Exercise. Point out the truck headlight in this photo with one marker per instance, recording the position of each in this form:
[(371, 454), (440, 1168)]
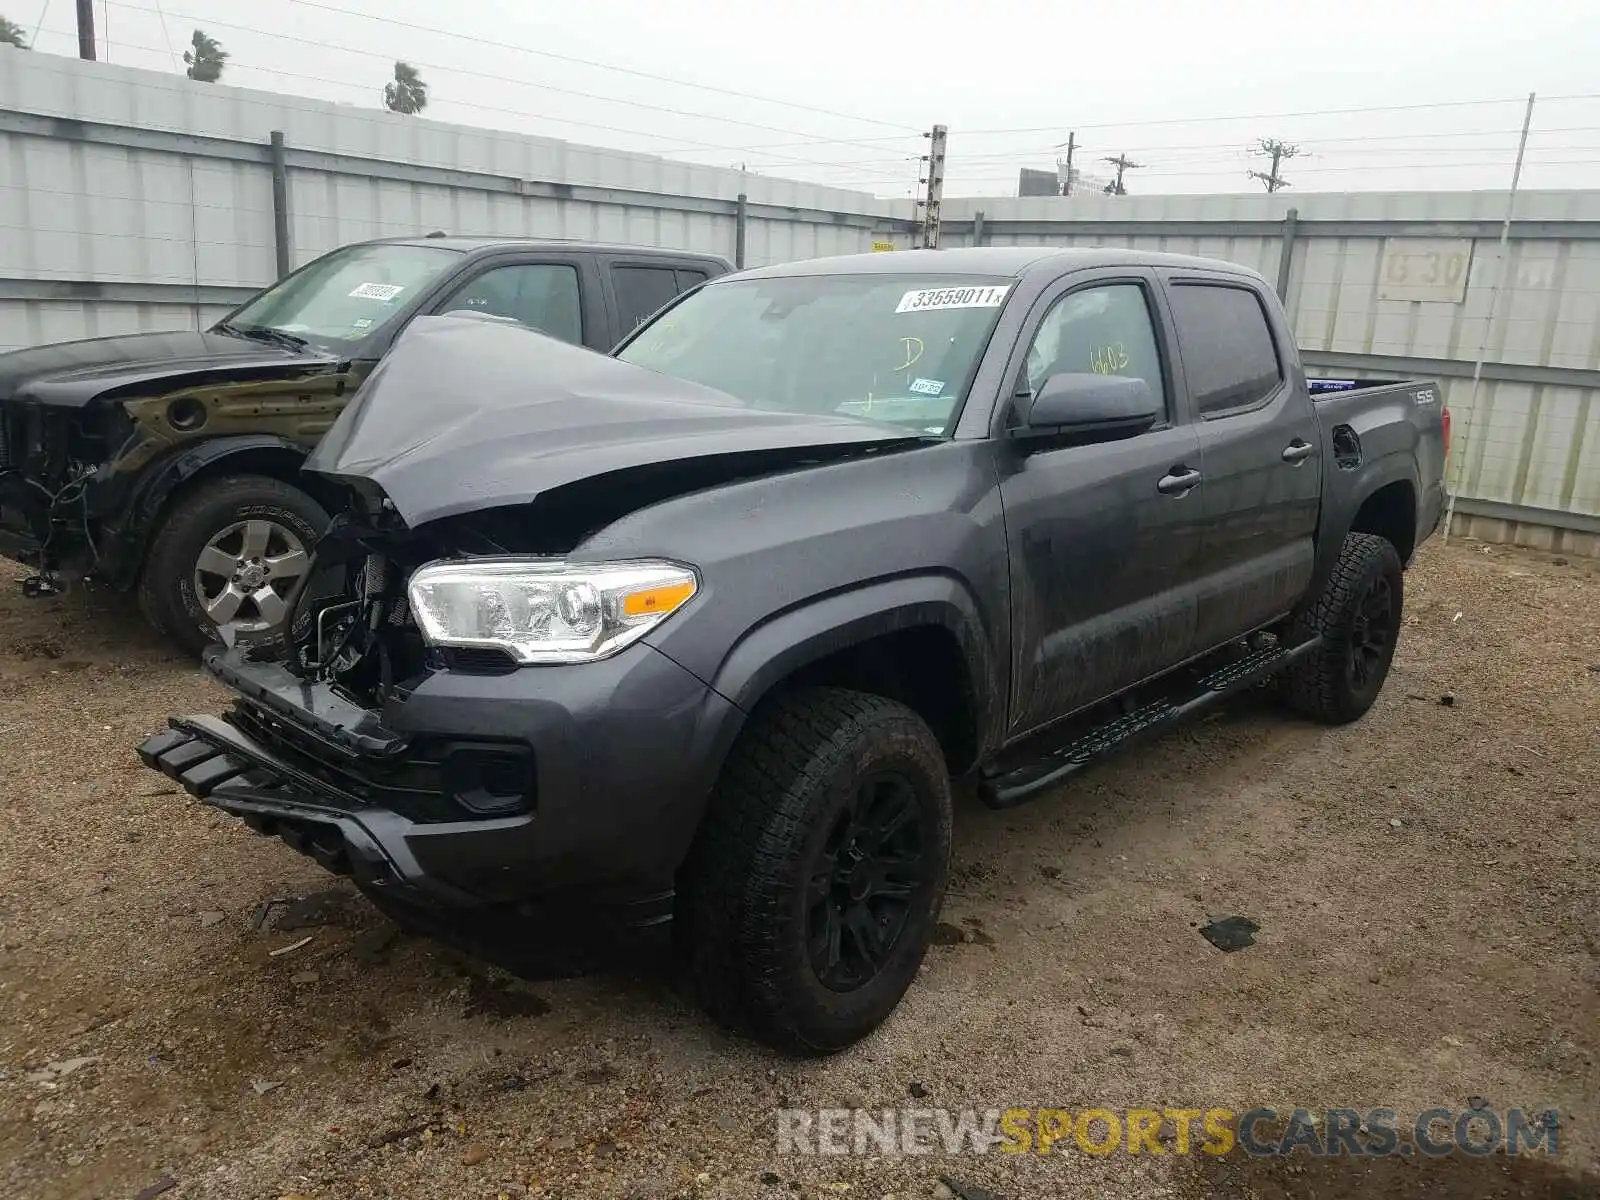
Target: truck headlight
[(545, 611)]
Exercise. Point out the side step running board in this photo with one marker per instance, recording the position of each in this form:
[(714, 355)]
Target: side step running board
[(1031, 780)]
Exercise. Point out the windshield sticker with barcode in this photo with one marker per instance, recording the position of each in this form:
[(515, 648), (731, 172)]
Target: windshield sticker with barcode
[(927, 387), (925, 299), (376, 291)]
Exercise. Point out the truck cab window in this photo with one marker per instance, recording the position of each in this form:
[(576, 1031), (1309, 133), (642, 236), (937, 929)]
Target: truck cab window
[(1228, 352), (1100, 331), (643, 290), (543, 296)]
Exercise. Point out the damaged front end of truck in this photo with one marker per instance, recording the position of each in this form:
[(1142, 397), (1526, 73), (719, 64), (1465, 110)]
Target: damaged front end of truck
[(403, 737)]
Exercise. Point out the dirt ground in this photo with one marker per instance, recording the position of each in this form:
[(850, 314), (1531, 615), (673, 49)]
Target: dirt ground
[(1426, 883)]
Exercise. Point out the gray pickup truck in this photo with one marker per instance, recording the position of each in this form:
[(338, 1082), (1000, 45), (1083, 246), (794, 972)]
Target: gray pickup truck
[(703, 632)]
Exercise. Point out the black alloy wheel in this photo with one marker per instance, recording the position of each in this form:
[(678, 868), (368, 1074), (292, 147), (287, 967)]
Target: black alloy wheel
[(1372, 634), (863, 881)]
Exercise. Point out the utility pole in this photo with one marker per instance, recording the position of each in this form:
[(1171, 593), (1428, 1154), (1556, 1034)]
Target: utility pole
[(1072, 144), (86, 30), (1122, 163), (935, 189), (1277, 151)]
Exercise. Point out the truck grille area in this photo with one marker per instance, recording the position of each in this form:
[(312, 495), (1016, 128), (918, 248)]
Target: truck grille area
[(434, 780), (267, 801), (410, 786)]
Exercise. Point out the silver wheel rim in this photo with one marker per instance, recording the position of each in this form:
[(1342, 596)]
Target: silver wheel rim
[(245, 573)]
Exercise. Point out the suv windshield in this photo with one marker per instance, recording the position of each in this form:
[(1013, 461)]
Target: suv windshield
[(344, 296), (893, 348)]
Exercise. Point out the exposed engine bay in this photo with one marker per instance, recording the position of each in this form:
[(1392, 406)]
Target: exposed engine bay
[(350, 624), (52, 470)]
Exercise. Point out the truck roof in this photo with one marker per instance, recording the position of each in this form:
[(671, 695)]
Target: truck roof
[(478, 243), (1017, 261)]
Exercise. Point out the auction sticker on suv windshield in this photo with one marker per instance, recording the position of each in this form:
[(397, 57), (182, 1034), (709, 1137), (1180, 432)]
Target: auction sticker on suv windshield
[(926, 299), (377, 291)]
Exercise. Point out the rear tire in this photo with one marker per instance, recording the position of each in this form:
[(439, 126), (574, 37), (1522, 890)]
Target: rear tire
[(1357, 614), (268, 529), (810, 895)]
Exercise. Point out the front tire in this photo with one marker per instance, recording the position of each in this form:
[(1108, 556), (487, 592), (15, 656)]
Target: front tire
[(230, 553), (1358, 616), (810, 896)]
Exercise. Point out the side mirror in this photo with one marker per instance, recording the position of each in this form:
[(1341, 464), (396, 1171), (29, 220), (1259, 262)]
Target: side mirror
[(1113, 405)]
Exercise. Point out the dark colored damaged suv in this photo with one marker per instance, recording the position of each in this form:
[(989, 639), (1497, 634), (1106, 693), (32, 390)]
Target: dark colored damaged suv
[(703, 633), (168, 464)]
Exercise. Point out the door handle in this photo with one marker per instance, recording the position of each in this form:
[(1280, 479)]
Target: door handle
[(1298, 451), (1178, 481)]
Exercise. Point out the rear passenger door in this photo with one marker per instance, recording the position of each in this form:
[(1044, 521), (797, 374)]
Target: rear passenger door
[(1259, 450), (550, 293), (639, 289)]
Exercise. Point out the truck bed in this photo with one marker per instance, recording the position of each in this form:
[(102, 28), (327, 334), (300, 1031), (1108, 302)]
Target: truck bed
[(1417, 400)]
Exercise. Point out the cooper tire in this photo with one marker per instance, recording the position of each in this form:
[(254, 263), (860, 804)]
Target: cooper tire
[(169, 594), (1357, 614), (827, 835)]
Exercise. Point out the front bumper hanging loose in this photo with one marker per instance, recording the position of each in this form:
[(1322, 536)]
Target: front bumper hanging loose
[(470, 790), (220, 766)]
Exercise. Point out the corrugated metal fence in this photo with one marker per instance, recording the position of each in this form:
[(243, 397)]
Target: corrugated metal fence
[(135, 200)]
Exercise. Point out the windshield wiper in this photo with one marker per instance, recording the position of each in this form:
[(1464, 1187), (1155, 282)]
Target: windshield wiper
[(262, 333)]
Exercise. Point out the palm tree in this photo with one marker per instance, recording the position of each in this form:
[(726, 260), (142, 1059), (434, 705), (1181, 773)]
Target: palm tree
[(206, 59), (407, 94), (11, 34)]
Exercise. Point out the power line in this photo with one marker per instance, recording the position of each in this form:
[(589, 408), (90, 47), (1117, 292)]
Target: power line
[(1122, 163), (602, 66), (475, 74), (1276, 150), (494, 109), (1317, 112), (1212, 151), (165, 37), (1054, 146), (1433, 166)]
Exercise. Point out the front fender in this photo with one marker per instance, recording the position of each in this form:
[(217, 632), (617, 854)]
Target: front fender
[(164, 477), (779, 646)]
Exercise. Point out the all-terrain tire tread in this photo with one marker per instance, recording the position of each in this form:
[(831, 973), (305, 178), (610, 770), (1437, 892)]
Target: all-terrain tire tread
[(1315, 687), (732, 897)]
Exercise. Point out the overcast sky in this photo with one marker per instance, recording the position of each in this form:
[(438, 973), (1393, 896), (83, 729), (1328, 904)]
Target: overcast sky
[(835, 91)]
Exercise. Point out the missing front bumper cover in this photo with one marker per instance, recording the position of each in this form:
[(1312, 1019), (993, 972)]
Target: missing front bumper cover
[(220, 766)]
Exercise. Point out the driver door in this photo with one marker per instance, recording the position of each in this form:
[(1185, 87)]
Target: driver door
[(1103, 546)]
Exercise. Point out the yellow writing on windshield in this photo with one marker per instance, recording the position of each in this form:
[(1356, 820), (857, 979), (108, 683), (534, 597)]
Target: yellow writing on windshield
[(914, 350)]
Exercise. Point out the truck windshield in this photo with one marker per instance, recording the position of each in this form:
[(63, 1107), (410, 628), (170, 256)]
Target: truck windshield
[(344, 296), (894, 348)]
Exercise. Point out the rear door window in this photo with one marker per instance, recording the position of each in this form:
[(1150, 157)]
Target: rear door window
[(642, 290), (1229, 356)]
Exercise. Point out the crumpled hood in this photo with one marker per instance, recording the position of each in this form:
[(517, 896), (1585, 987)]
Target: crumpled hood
[(72, 374), (466, 413)]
